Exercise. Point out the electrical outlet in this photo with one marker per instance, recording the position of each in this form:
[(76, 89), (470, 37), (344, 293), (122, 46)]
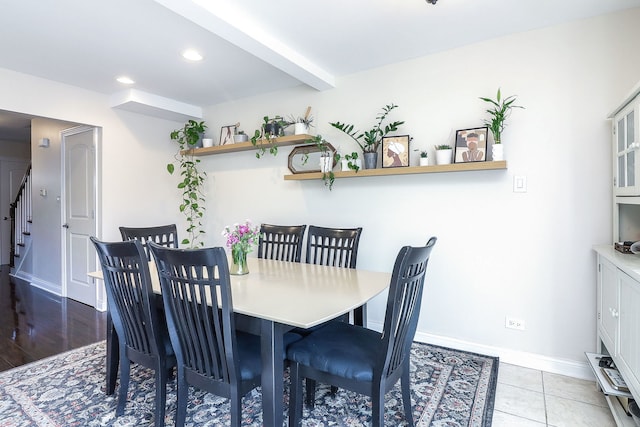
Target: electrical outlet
[(513, 323)]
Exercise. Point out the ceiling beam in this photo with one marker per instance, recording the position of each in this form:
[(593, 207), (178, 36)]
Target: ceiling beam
[(228, 23)]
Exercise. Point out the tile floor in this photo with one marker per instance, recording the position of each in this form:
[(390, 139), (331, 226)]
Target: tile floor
[(531, 398)]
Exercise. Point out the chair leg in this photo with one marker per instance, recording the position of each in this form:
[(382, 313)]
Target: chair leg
[(334, 391), (295, 395), (405, 383), (161, 394), (125, 369), (181, 403), (113, 356), (377, 407), (236, 406), (310, 399)]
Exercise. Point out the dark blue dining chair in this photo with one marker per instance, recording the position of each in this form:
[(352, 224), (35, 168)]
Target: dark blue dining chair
[(360, 359), (212, 355), (141, 331), (281, 242), (165, 235)]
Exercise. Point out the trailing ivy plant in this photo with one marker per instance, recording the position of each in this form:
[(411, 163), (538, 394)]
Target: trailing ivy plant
[(271, 128), (192, 180)]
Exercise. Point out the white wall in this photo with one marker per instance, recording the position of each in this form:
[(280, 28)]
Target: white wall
[(499, 253)]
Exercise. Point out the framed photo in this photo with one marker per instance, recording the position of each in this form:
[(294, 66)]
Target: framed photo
[(395, 151), (226, 134), (471, 145)]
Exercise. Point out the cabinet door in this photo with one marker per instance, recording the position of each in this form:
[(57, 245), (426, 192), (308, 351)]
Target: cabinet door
[(626, 154), (629, 344), (608, 304)]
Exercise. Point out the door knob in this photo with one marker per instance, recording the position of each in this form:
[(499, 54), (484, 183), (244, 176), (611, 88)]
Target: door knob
[(65, 225)]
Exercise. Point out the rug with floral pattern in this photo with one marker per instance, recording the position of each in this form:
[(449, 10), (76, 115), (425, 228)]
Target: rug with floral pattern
[(449, 388)]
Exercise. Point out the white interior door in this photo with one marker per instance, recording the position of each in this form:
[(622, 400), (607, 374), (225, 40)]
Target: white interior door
[(11, 174), (79, 147)]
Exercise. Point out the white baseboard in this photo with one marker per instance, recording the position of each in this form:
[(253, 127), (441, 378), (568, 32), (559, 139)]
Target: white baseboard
[(570, 368), (38, 283)]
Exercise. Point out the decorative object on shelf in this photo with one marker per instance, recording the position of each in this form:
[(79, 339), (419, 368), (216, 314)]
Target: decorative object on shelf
[(226, 134), (369, 141), (241, 238), (424, 157), (272, 127), (327, 161), (395, 151), (499, 111), (207, 142), (350, 162), (443, 154), (471, 145), (193, 200), (497, 152), (240, 137), (301, 125), (306, 158)]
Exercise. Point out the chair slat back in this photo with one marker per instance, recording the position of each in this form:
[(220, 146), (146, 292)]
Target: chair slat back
[(130, 294), (164, 235), (403, 303), (196, 292), (337, 247), (281, 242)]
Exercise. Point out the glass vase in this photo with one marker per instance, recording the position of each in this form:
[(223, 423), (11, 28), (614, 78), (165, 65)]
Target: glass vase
[(239, 262)]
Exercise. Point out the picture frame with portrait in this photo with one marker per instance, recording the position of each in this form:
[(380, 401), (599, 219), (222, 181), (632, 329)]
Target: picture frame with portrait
[(226, 134), (471, 145), (395, 151)]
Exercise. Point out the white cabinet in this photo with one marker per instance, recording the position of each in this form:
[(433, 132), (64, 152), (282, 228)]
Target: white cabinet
[(618, 324), (626, 145)]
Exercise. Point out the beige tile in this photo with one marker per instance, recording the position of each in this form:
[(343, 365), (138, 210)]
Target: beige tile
[(563, 412), (521, 402), (573, 388), (531, 379), (501, 419)]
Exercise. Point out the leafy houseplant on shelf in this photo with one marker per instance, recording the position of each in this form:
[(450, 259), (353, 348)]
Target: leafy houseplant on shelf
[(443, 154), (369, 141), (499, 110), (327, 160), (272, 127), (424, 157), (191, 185), (301, 125)]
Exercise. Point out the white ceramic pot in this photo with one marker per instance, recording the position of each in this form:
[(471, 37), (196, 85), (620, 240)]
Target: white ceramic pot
[(300, 129), (497, 152), (345, 164), (326, 164), (424, 161), (443, 157), (207, 142)]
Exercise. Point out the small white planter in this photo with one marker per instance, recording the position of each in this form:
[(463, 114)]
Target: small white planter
[(424, 161), (300, 129), (497, 152), (326, 164), (345, 164), (207, 142), (443, 157)]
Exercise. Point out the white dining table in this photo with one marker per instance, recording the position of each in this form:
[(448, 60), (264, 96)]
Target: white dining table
[(277, 296)]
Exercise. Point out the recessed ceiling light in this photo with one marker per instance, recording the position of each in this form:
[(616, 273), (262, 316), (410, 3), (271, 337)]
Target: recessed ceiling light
[(192, 55), (125, 80)]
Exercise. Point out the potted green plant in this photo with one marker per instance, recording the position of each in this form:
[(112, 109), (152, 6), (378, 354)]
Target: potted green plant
[(499, 110), (369, 141), (301, 125), (327, 160), (350, 162), (272, 127), (443, 154), (192, 183), (424, 157)]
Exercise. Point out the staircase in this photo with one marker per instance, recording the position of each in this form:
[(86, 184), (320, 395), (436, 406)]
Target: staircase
[(21, 213)]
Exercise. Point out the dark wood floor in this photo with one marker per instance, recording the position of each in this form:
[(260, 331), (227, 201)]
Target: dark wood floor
[(35, 324)]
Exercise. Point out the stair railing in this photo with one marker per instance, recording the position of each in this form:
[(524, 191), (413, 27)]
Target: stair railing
[(20, 211)]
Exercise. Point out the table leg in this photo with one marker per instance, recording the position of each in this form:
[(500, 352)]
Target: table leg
[(113, 356), (360, 316), (272, 346)]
